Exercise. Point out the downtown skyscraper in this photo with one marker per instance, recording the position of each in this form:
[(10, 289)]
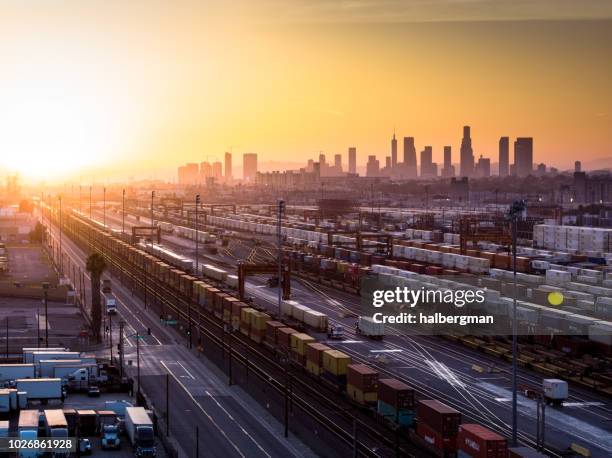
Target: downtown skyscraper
[(504, 156), (466, 154)]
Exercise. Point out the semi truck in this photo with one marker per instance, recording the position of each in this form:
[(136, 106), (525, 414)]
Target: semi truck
[(555, 391), (14, 371), (368, 327), (27, 429), (41, 388), (38, 356), (139, 429), (56, 427), (46, 367), (28, 352)]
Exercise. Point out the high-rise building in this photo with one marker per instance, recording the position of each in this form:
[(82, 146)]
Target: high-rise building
[(541, 169), (249, 167), (523, 156), (428, 167), (448, 170), (372, 167), (338, 162), (466, 154), (352, 161), (388, 163), (577, 166), (322, 160), (410, 158), (504, 156), (483, 167), (205, 171), (228, 167), (393, 151), (188, 174), (217, 171)]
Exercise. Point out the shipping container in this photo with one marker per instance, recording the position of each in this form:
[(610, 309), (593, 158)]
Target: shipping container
[(480, 442), (440, 417)]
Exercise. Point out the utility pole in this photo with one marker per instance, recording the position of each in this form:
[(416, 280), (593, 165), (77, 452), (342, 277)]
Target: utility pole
[(138, 362), (7, 337), (167, 404), (45, 288), (144, 273), (60, 236), (197, 204), (281, 207), (515, 212), (110, 327), (121, 324), (123, 212), (104, 207), (152, 222)]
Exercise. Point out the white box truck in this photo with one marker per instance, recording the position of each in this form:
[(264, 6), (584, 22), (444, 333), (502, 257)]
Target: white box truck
[(57, 428), (139, 428), (15, 371), (368, 327), (38, 356), (46, 366), (555, 391), (41, 388), (28, 352), (28, 430)]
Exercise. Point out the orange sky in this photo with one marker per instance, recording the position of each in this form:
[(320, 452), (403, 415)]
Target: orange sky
[(134, 88)]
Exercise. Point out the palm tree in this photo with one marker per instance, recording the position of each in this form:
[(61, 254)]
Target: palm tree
[(96, 266)]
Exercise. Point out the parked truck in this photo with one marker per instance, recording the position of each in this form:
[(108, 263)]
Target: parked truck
[(38, 356), (29, 351), (41, 388), (27, 429), (368, 327), (555, 391), (14, 371), (56, 427), (46, 367), (139, 429)]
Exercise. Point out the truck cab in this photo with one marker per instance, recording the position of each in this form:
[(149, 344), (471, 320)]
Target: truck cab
[(110, 303), (110, 437)]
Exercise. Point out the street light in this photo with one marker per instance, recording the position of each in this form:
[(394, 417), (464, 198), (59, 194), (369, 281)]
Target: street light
[(281, 208), (516, 211), (45, 286), (197, 204)]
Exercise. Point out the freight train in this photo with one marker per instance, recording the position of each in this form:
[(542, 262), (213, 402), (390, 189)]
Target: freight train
[(438, 427)]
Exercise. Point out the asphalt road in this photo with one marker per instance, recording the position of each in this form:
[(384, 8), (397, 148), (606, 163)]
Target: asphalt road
[(228, 425)]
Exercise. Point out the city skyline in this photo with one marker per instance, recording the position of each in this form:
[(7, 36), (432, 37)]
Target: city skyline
[(108, 100)]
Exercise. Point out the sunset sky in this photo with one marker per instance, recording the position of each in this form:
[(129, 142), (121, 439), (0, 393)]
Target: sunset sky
[(135, 88)]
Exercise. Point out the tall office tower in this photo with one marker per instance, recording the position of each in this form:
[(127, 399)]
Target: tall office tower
[(228, 167), (217, 170), (523, 156), (372, 167), (504, 156), (338, 162), (483, 167), (448, 170), (388, 163), (467, 154), (205, 171), (428, 168), (393, 151), (310, 165), (410, 159), (322, 160), (352, 152), (577, 166), (249, 167)]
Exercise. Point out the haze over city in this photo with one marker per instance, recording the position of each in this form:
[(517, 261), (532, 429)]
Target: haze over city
[(112, 90)]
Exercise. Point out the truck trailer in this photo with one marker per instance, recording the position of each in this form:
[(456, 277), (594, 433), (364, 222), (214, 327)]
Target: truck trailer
[(139, 429), (41, 388), (15, 371)]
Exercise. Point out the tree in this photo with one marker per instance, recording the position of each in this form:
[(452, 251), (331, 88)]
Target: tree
[(36, 234), (96, 266)]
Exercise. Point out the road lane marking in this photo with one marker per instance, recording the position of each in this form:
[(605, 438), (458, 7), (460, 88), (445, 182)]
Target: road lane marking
[(185, 369), (210, 418)]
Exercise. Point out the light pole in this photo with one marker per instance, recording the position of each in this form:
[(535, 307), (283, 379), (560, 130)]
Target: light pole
[(515, 212), (281, 207), (197, 204), (123, 212), (60, 237), (104, 207), (45, 286), (152, 222)]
